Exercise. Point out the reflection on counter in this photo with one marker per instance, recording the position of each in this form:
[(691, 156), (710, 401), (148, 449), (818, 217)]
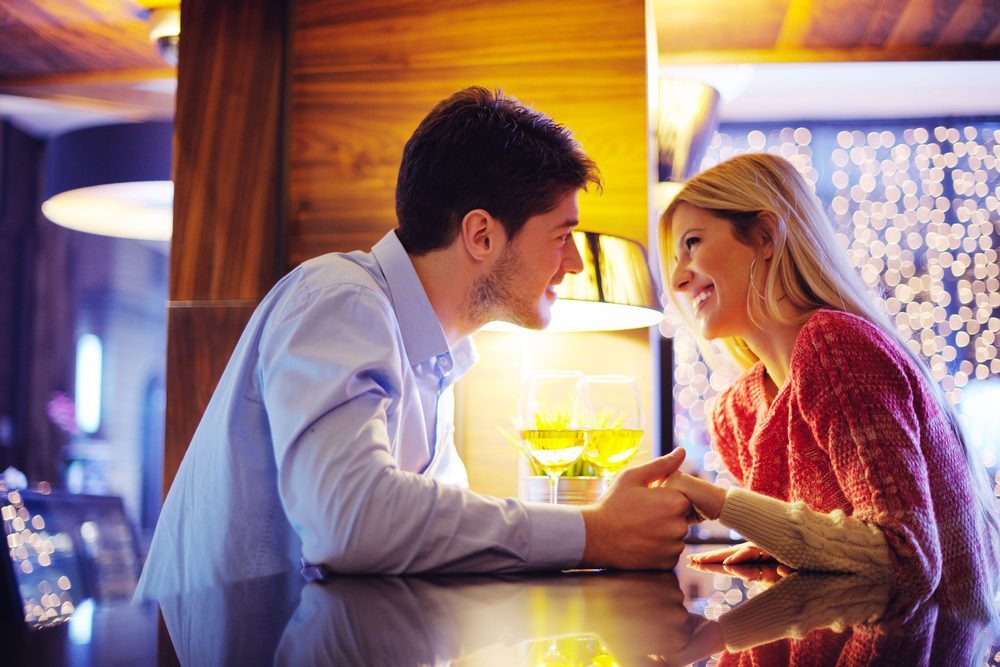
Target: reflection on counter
[(572, 618)]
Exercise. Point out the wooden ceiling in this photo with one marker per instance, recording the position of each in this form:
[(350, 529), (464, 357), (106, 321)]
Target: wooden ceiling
[(744, 31), (92, 55)]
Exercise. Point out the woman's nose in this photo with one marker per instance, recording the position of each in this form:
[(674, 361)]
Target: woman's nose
[(681, 278)]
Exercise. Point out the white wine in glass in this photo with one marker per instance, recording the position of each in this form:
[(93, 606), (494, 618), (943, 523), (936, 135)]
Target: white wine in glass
[(547, 423), (611, 414)]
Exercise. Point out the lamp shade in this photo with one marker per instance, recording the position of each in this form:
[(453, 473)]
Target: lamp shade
[(614, 290), (686, 120), (112, 180)]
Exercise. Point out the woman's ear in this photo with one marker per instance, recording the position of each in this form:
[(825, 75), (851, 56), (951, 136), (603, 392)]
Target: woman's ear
[(768, 231)]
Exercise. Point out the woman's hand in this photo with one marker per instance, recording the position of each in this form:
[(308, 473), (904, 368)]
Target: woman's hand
[(746, 561), (748, 552), (705, 497), (767, 572)]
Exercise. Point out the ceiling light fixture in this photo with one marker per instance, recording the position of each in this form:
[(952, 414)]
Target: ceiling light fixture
[(112, 180), (164, 22)]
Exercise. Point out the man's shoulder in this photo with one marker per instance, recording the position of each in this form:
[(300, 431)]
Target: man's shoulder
[(336, 289), (341, 270), (334, 277)]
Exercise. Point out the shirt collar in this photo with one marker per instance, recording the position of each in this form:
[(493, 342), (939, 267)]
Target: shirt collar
[(423, 336)]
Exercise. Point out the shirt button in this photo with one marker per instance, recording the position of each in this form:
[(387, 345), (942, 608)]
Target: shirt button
[(444, 363)]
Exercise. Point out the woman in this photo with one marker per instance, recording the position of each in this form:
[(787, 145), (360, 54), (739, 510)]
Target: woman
[(849, 456)]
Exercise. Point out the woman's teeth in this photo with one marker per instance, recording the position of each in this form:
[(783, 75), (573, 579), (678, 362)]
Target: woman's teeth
[(702, 296)]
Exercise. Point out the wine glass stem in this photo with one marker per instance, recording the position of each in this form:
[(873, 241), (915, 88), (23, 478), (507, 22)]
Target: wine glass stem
[(608, 478), (553, 489)]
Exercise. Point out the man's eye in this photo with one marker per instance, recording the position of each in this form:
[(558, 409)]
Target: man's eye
[(565, 237)]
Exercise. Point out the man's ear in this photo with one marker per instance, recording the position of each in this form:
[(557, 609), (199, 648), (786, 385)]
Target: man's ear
[(768, 231), (481, 234)]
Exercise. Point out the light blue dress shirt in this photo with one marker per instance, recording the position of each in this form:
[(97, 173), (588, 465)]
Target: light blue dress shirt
[(330, 437)]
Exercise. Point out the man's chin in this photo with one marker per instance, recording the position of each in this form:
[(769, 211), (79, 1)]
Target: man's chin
[(535, 321)]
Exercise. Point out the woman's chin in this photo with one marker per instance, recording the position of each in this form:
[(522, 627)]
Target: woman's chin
[(708, 331)]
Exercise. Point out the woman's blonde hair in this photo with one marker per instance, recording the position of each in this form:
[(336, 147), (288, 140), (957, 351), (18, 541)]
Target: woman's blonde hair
[(807, 268)]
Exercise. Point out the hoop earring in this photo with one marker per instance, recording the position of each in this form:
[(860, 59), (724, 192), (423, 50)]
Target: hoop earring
[(753, 283)]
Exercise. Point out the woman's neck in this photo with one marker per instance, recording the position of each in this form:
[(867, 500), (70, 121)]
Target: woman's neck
[(773, 344)]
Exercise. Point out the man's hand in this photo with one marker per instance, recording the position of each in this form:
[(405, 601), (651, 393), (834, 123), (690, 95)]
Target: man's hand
[(705, 497), (638, 524)]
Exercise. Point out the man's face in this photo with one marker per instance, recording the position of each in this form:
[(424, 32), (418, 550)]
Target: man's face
[(521, 286)]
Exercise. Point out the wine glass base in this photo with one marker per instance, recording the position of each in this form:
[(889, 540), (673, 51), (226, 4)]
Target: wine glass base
[(570, 490)]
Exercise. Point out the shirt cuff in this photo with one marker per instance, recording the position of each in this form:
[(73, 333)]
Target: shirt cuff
[(557, 536)]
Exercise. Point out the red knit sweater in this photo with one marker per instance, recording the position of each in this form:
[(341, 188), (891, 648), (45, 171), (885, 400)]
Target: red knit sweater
[(856, 428)]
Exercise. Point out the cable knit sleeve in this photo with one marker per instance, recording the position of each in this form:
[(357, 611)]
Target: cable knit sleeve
[(806, 539), (857, 393)]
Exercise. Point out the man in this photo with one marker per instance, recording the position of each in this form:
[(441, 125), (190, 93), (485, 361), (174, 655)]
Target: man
[(330, 433)]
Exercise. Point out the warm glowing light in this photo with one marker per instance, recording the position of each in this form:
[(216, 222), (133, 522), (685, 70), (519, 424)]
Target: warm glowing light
[(142, 210), (571, 316)]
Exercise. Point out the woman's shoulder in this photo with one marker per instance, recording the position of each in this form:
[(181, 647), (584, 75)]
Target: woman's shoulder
[(840, 334), (835, 348)]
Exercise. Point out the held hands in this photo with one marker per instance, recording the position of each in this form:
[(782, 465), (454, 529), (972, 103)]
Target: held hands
[(706, 498), (638, 524)]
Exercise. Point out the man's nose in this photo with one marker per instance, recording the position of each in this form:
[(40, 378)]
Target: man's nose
[(573, 262)]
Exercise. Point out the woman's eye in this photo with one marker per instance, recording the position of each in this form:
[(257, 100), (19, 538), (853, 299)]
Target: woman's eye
[(691, 241)]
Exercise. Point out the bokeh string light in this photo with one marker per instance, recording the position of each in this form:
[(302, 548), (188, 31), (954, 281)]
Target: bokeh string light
[(40, 558), (915, 207)]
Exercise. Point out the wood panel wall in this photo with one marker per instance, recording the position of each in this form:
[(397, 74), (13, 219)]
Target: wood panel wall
[(364, 72), (360, 75), (228, 175)]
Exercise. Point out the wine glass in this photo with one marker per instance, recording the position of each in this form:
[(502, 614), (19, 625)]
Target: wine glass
[(547, 422), (611, 413)]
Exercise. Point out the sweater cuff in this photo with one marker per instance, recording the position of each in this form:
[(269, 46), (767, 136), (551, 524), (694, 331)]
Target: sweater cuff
[(806, 539), (759, 518), (557, 536)]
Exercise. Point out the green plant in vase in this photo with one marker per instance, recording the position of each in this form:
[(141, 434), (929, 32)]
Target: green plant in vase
[(554, 422)]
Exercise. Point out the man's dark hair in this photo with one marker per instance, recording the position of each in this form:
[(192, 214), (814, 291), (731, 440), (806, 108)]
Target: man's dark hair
[(480, 149)]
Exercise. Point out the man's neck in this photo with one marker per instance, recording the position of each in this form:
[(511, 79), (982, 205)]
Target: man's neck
[(446, 280)]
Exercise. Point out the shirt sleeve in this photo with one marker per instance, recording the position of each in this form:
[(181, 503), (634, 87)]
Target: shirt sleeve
[(330, 369), (857, 396)]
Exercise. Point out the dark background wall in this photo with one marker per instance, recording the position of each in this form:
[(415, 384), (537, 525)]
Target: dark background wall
[(56, 284), (36, 312)]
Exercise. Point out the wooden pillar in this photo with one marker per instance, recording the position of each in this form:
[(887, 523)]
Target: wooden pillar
[(228, 165)]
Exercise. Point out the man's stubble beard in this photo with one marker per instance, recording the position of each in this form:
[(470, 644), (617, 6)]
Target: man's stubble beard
[(493, 297)]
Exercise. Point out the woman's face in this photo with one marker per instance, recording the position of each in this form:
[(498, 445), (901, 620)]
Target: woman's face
[(711, 272)]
